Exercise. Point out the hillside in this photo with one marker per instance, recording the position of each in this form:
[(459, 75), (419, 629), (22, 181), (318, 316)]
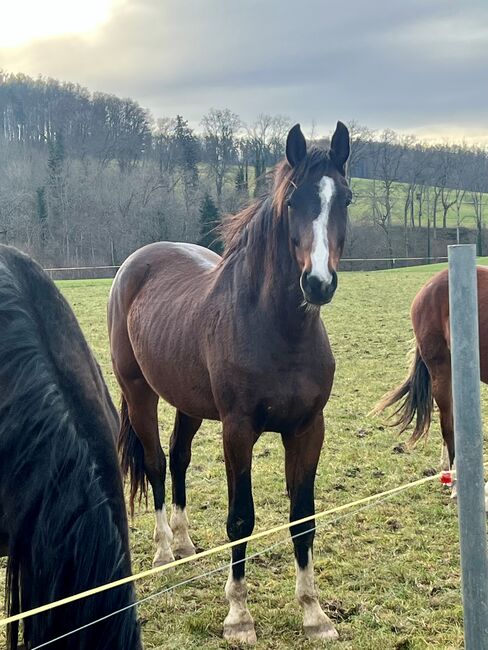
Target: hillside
[(363, 190)]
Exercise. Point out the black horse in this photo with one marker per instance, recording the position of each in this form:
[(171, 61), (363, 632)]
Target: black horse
[(63, 520)]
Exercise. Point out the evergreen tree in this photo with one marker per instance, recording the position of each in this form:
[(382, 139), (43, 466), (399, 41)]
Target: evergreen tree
[(240, 182), (55, 165), (187, 150), (209, 220), (42, 214)]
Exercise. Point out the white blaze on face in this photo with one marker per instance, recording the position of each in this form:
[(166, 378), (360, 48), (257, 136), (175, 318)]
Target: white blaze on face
[(320, 244)]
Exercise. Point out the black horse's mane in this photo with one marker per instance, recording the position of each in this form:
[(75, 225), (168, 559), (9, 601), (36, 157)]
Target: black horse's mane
[(55, 417)]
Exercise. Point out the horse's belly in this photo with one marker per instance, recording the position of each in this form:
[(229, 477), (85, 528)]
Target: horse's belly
[(193, 400)]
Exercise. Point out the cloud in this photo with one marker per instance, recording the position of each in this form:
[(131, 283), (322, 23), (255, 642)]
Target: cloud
[(411, 66)]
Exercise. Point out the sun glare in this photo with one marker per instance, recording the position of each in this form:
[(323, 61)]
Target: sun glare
[(30, 20)]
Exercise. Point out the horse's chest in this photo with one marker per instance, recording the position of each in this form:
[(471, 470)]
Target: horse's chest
[(279, 400), (291, 402)]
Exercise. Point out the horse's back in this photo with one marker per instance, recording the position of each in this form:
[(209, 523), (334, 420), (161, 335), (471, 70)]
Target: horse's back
[(164, 263), (157, 316)]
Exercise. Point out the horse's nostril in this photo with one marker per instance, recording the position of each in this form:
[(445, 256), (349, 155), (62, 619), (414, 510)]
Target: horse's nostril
[(334, 280), (314, 283)]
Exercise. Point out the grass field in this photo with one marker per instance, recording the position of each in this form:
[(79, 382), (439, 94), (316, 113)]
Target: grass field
[(388, 575), (361, 205)]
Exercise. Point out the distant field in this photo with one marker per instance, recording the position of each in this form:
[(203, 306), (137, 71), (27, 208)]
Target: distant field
[(432, 268), (361, 205), (388, 575)]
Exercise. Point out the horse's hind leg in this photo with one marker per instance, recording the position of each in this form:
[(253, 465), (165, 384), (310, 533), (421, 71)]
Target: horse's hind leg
[(440, 372), (179, 458), (142, 402)]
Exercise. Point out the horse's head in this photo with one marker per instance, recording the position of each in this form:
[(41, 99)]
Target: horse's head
[(317, 211)]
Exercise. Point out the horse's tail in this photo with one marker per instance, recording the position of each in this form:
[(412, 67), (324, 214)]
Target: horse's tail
[(131, 454), (415, 397)]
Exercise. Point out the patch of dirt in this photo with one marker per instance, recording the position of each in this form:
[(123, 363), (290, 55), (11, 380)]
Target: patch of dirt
[(338, 613), (399, 449)]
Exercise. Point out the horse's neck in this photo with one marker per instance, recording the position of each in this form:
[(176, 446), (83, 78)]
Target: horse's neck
[(270, 280)]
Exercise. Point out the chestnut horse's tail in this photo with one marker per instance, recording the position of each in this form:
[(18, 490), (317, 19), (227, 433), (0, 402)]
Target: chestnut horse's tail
[(131, 454), (415, 397)]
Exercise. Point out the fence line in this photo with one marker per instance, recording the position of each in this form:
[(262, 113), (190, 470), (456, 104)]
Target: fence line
[(107, 271), (83, 268), (215, 549), (344, 259), (218, 569)]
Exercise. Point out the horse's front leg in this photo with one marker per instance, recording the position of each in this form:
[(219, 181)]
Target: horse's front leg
[(302, 451), (238, 443)]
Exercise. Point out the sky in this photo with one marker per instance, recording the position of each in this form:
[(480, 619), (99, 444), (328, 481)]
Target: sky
[(416, 66)]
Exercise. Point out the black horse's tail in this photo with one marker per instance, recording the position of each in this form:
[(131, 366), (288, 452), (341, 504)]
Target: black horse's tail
[(131, 454), (415, 397)]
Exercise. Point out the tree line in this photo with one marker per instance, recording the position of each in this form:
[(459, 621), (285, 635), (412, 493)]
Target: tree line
[(87, 178)]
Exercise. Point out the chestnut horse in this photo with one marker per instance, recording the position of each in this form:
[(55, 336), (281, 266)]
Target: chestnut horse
[(430, 375), (63, 521), (237, 339)]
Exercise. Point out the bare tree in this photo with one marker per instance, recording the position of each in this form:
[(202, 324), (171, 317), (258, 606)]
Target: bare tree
[(266, 138), (360, 137), (478, 175), (221, 128), (388, 156)]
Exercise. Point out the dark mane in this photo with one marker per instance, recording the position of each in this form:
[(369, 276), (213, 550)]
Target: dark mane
[(280, 180), (65, 520)]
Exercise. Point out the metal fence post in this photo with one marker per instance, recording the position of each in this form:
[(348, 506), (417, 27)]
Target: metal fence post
[(463, 309)]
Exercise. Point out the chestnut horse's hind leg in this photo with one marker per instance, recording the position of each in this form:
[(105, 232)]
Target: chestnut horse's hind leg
[(442, 393), (142, 402), (239, 440), (302, 451), (179, 458), (440, 372)]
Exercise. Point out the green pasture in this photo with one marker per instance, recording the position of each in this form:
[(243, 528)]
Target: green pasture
[(360, 209), (361, 205), (388, 575)]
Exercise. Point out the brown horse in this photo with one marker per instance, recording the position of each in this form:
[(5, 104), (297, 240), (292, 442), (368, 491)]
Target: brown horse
[(430, 375), (237, 339)]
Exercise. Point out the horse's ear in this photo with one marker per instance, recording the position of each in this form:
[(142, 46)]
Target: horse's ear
[(296, 146), (339, 147)]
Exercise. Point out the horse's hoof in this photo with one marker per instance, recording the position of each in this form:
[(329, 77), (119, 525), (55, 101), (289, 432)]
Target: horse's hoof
[(183, 551), (322, 631), (240, 633), (162, 557)]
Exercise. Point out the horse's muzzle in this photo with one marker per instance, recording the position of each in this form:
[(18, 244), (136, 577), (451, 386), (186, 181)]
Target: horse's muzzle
[(317, 291)]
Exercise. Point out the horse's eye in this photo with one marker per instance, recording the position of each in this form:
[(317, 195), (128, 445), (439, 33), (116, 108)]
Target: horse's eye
[(295, 242), (349, 197)]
